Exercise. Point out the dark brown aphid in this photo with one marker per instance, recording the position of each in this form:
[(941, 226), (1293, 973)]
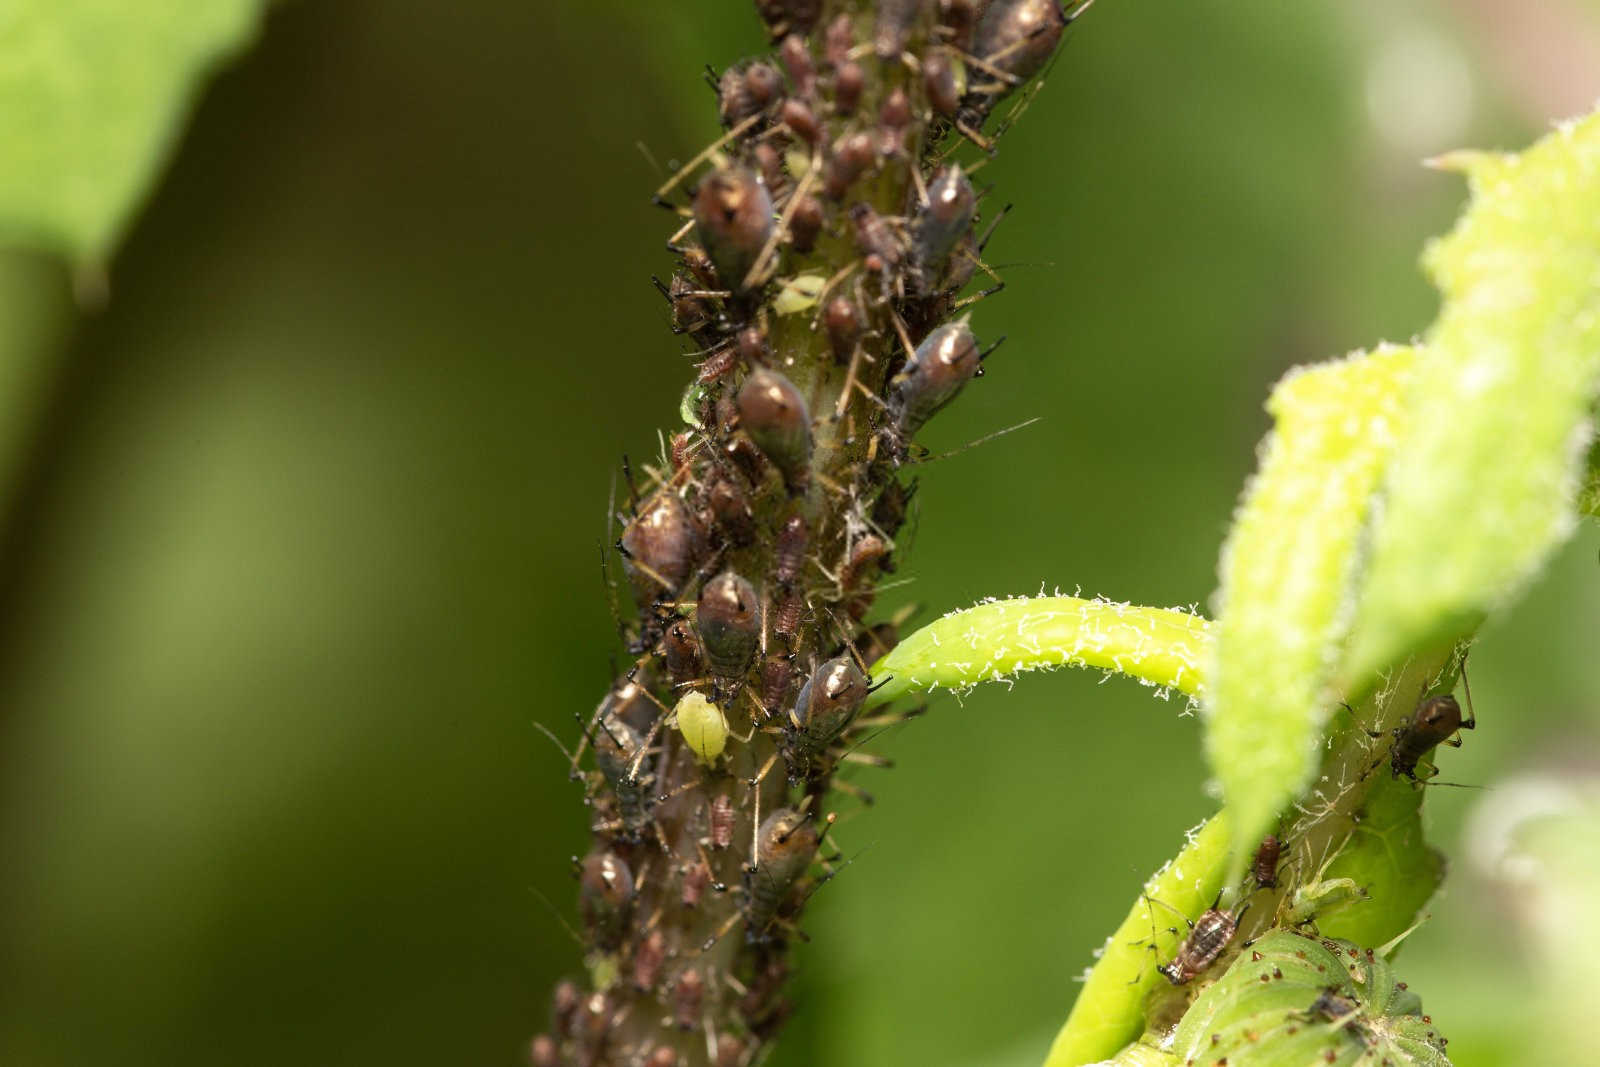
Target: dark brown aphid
[(838, 39), (945, 361), (662, 1057), (866, 552), (943, 221), (842, 321), (1265, 865), (774, 415), (849, 159), (690, 311), (605, 893), (806, 223), (789, 556), (730, 1051), (730, 506), (826, 704), (960, 18), (687, 995), (894, 116), (784, 847), (1436, 719), (939, 83), (802, 120), (723, 821), (543, 1052), (796, 59), (717, 365), (789, 16), (647, 961), (659, 547), (728, 620), (1208, 936), (847, 86), (1019, 36), (733, 216), (681, 652)]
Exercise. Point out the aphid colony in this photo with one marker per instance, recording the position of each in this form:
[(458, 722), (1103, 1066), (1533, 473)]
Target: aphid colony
[(824, 243)]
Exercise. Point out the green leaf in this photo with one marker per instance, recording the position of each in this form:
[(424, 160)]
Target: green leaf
[(1484, 485), (1000, 639), (1109, 1011), (93, 93), (1286, 570)]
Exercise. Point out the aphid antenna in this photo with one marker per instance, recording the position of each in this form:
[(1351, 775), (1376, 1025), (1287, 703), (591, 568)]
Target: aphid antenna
[(627, 475), (680, 790), (850, 789), (994, 224), (555, 913), (867, 759), (987, 352), (985, 439), (681, 232), (982, 294), (556, 741), (700, 157), (661, 287)]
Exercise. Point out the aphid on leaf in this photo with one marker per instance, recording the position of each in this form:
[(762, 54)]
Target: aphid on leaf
[(773, 414), (1264, 867), (728, 618), (733, 216), (1436, 721), (1208, 936), (826, 704), (945, 361)]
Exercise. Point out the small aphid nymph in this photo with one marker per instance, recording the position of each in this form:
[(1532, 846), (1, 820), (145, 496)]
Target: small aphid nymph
[(1264, 867)]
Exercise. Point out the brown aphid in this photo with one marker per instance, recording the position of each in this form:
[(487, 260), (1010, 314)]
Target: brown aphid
[(785, 845), (939, 224), (1208, 936), (728, 619), (733, 216), (960, 18), (805, 224), (1434, 722), (689, 311), (717, 365), (894, 116), (564, 1004), (1019, 36), (773, 414), (543, 1052), (802, 120), (789, 16), (841, 319), (787, 617), (770, 164), (895, 19), (789, 555), (945, 361), (796, 60), (681, 652), (618, 754), (876, 239), (939, 83), (662, 1057), (648, 957), (866, 552), (847, 87), (688, 993), (730, 507), (838, 39), (696, 877), (851, 156), (730, 1051), (659, 547), (723, 821), (1265, 865), (827, 703), (605, 894)]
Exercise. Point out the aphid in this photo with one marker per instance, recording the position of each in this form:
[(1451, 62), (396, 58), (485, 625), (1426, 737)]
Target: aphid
[(659, 547), (605, 893), (628, 703), (1332, 1006), (733, 216), (647, 961), (730, 1051), (838, 39), (774, 415), (543, 1052), (1265, 865), (727, 617), (796, 59), (960, 17), (1017, 37), (826, 704), (716, 365), (723, 820), (784, 847), (842, 321), (805, 223), (789, 556), (687, 995), (681, 652), (943, 221), (703, 727), (619, 752), (1435, 721), (802, 120), (944, 362), (867, 551), (662, 1057), (893, 117), (847, 86), (1208, 936), (787, 616), (696, 877), (564, 1004), (939, 83), (789, 16), (850, 157), (876, 239), (690, 312), (777, 675), (895, 19)]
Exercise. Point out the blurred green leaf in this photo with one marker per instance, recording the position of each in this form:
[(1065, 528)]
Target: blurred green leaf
[(1286, 569), (1000, 639), (94, 92), (1484, 484)]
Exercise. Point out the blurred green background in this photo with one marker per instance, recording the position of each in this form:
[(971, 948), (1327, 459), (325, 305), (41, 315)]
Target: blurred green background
[(299, 529)]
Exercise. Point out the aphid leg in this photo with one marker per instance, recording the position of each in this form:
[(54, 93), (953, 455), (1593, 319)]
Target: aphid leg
[(853, 790), (1471, 722)]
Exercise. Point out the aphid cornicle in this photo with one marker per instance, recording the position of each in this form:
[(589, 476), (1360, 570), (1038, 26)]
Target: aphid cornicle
[(733, 216), (943, 221), (827, 702), (1208, 936), (1435, 721), (773, 414), (784, 846), (605, 887), (1264, 867), (728, 618), (789, 555), (945, 361), (659, 547)]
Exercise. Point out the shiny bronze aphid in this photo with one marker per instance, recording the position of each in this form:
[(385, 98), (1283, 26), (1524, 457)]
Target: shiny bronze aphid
[(733, 216), (688, 993), (939, 224), (729, 621), (945, 361), (680, 651), (647, 961), (1264, 867), (806, 223), (543, 1052), (605, 893), (847, 87), (722, 821), (841, 319), (659, 547), (827, 703), (1435, 721), (785, 845), (1019, 36), (939, 83), (789, 555), (1208, 936), (849, 159), (773, 414)]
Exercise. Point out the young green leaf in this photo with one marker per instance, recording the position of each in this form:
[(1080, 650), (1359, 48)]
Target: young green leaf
[(1002, 638), (1109, 1010), (93, 92), (1286, 570), (1483, 486)]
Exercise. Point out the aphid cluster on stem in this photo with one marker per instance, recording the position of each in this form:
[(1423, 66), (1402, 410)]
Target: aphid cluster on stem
[(823, 242)]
